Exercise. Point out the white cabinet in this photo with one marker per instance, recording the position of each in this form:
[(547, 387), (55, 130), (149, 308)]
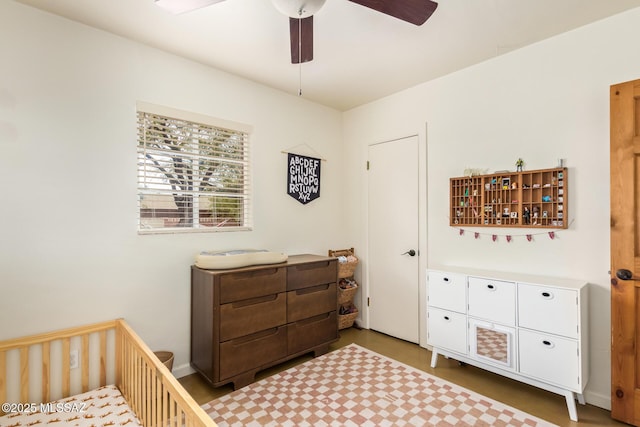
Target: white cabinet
[(529, 328)]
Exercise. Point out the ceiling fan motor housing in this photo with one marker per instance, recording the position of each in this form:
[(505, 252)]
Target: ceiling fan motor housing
[(298, 8)]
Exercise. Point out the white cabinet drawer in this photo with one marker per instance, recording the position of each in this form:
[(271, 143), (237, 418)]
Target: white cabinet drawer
[(447, 290), (448, 330), (550, 358), (492, 300), (548, 309)]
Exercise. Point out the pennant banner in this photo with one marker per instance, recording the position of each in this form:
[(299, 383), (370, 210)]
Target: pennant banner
[(509, 237)]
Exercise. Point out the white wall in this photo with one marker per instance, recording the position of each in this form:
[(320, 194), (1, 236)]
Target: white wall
[(69, 250), (540, 103)]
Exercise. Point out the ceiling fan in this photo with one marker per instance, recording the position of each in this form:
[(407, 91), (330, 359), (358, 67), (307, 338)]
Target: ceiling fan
[(301, 13)]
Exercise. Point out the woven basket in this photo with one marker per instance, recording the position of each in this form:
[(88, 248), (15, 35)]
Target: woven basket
[(345, 269), (346, 295), (346, 320), (166, 357)]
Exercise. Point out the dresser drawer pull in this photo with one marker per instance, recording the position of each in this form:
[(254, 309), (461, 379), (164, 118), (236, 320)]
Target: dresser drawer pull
[(491, 287), (547, 295), (446, 279), (255, 337), (312, 266), (447, 318), (254, 301), (548, 344), (314, 289)]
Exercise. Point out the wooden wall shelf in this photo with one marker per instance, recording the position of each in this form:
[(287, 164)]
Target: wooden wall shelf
[(533, 199)]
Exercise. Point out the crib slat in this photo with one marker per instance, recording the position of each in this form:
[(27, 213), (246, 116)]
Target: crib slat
[(158, 393), (118, 351), (46, 370), (147, 392), (66, 373), (85, 363), (3, 375), (24, 374), (172, 411), (103, 357), (165, 405)]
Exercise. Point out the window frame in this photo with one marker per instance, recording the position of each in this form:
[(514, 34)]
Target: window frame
[(200, 119)]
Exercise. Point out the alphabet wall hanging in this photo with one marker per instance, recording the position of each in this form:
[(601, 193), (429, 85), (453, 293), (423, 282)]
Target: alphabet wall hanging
[(303, 178)]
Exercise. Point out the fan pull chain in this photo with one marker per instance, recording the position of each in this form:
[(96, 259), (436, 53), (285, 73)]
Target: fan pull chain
[(300, 53)]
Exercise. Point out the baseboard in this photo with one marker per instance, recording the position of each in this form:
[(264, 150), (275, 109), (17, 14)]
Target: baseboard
[(597, 399), (183, 370)]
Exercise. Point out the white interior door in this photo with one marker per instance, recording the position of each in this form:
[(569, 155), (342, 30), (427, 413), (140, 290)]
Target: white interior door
[(393, 233)]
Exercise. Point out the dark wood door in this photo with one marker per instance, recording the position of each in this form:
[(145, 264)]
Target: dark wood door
[(625, 251)]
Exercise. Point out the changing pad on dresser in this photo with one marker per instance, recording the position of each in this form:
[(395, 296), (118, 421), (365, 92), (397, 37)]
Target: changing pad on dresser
[(237, 258)]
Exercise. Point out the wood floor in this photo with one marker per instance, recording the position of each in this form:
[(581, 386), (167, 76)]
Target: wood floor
[(545, 405)]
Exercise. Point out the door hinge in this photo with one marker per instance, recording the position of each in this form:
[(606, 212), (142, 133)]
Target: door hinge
[(368, 302), (367, 164)]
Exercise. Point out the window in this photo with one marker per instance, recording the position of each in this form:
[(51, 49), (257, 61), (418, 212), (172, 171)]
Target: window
[(193, 172)]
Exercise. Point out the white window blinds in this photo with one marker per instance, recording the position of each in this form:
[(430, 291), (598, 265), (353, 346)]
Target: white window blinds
[(193, 172)]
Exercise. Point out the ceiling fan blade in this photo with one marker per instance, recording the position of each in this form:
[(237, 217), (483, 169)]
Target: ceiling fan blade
[(414, 11), (301, 34)]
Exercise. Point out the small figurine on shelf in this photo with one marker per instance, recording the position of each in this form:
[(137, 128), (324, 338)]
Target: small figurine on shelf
[(536, 212), (526, 215), (519, 164)]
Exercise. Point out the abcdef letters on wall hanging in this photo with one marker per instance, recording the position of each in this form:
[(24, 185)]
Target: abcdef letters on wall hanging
[(303, 178)]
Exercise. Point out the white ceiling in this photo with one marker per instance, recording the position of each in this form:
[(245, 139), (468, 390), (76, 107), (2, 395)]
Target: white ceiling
[(359, 55)]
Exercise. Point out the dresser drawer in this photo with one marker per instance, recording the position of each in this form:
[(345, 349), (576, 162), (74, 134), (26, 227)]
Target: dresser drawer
[(492, 300), (548, 309), (447, 329), (250, 352), (253, 315), (550, 358), (312, 274), (309, 302), (447, 290), (308, 333), (251, 284)]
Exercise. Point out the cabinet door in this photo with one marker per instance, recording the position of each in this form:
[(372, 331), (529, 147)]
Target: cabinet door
[(492, 300), (548, 309), (551, 359), (492, 343), (447, 291), (448, 330)]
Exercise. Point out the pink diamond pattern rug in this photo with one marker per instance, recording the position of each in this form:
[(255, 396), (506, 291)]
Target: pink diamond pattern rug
[(354, 386)]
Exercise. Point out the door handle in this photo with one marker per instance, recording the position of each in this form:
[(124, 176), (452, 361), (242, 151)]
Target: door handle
[(410, 252), (624, 274)]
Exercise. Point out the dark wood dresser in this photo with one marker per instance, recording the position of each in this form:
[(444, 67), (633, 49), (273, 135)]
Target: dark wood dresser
[(247, 319)]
